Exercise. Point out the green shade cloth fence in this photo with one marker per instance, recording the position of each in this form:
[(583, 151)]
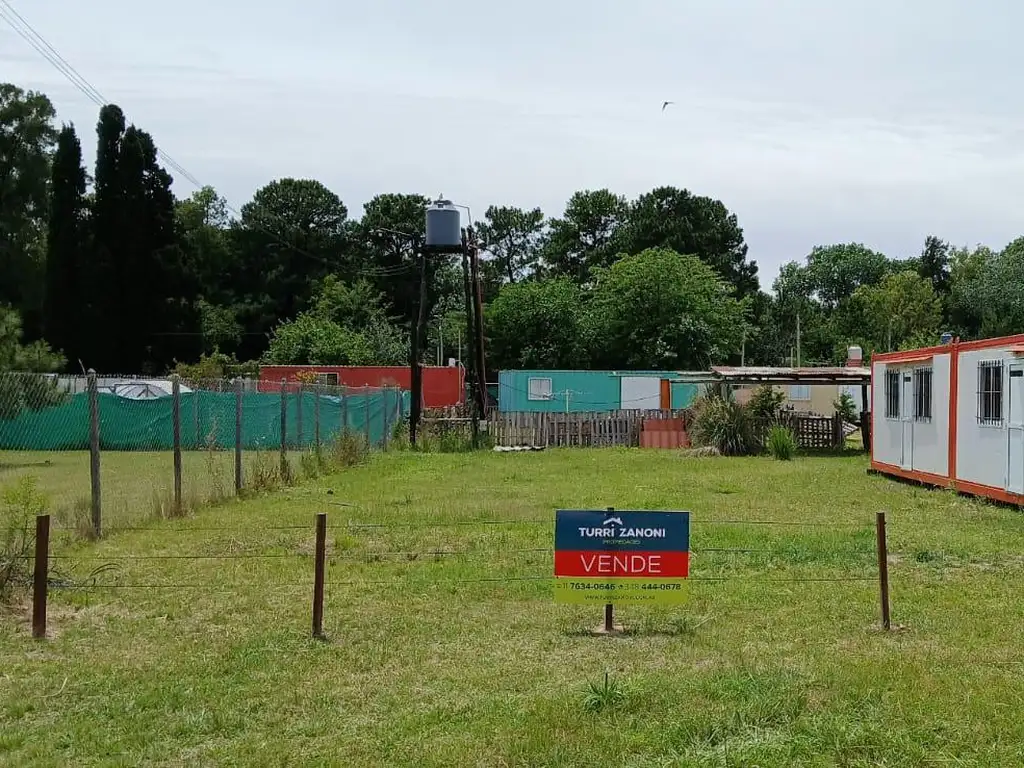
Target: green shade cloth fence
[(207, 421)]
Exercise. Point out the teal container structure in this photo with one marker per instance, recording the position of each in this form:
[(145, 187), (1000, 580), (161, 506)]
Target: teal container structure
[(590, 391)]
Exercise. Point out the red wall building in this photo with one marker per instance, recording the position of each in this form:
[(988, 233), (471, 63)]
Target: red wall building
[(442, 386)]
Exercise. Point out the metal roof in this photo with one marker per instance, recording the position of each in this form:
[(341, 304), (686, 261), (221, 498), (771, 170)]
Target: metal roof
[(836, 375)]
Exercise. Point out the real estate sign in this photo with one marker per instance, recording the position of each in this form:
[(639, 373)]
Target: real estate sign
[(621, 556)]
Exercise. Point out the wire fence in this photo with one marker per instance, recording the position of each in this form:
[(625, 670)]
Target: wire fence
[(285, 562), (118, 450)]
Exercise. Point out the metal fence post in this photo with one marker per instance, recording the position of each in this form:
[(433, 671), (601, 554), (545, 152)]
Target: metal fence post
[(40, 576), (284, 430), (299, 402), (316, 418), (387, 396), (176, 419), (366, 414), (94, 454), (238, 435)]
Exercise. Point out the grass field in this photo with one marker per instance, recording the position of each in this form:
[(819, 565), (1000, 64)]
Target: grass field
[(464, 659), (136, 485)]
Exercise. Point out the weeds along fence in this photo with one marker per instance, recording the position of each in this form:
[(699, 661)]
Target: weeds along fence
[(336, 565), (126, 451)]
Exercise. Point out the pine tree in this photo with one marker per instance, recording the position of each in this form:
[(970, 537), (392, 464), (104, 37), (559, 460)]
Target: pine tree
[(67, 244)]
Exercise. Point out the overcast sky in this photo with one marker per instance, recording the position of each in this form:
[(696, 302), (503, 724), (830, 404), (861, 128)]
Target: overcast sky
[(879, 121)]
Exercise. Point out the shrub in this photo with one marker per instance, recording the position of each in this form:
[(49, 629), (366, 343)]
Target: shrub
[(348, 449), (726, 426), (766, 402), (781, 442), (21, 503), (846, 408)]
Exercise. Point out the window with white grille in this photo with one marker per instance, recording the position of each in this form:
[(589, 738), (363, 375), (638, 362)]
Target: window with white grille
[(990, 392), (329, 379), (539, 389), (923, 394), (799, 392), (892, 394)]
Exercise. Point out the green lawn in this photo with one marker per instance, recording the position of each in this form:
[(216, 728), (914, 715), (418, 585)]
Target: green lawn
[(136, 485), (449, 660)]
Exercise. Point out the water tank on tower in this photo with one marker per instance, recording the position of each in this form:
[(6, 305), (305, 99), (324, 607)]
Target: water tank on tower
[(444, 230)]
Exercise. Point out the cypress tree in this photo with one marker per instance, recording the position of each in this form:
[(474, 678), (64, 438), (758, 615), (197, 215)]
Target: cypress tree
[(64, 305)]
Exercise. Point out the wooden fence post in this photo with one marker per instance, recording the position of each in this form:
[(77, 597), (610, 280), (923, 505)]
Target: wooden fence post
[(284, 431), (344, 411), (883, 569), (238, 435), (94, 455), (319, 568), (40, 576), (176, 427)]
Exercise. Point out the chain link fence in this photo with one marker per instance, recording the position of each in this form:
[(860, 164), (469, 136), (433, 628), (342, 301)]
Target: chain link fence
[(111, 451)]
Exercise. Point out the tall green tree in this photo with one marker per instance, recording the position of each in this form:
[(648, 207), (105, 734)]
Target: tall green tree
[(900, 312), (836, 271), (537, 324), (514, 238), (660, 310), (585, 235), (988, 290), (933, 264), (677, 219), (67, 258), (27, 138)]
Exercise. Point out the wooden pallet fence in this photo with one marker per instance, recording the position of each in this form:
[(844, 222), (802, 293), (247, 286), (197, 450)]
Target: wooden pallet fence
[(604, 429)]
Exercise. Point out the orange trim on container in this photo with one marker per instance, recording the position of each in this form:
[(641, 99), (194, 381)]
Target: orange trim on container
[(954, 400), (928, 478), (666, 395)]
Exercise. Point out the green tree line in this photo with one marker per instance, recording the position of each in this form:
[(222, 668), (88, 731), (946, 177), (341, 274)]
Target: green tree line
[(105, 268)]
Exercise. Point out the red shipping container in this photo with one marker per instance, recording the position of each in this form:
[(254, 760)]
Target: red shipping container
[(442, 386)]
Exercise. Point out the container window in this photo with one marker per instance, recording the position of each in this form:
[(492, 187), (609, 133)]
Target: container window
[(892, 394), (923, 394), (539, 389), (799, 392), (990, 392), (330, 379)]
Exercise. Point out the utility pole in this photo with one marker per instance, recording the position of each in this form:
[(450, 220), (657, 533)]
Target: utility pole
[(470, 335), (478, 311), (415, 407)]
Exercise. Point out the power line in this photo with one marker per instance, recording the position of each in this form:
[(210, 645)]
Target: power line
[(41, 45)]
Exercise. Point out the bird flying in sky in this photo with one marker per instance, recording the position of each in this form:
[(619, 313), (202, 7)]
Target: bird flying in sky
[(665, 104)]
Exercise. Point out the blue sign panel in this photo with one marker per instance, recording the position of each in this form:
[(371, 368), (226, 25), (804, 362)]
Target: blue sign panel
[(622, 530)]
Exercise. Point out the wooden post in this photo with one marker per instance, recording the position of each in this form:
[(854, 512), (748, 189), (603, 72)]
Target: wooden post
[(40, 576), (344, 412), (319, 568), (284, 431), (298, 417), (176, 426), (238, 435), (316, 419), (883, 569), (94, 455)]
